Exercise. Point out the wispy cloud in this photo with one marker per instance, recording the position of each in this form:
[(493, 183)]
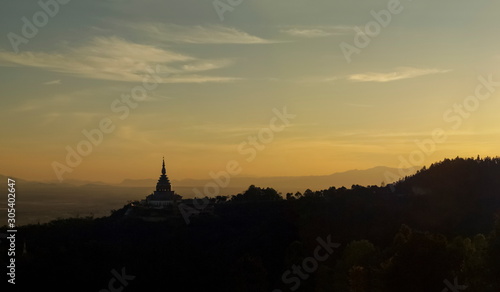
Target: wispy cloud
[(210, 34), (199, 79), (53, 82), (116, 59), (397, 74), (205, 65), (316, 32)]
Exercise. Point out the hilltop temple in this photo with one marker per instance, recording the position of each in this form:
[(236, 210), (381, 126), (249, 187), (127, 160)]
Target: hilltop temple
[(163, 196)]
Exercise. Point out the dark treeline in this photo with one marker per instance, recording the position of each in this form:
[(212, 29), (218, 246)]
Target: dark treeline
[(437, 228)]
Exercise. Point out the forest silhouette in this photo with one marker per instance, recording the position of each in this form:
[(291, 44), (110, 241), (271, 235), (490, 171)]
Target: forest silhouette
[(436, 228)]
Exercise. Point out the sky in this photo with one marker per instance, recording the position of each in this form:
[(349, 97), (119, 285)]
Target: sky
[(262, 88)]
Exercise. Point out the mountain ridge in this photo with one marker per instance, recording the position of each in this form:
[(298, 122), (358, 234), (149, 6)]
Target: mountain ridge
[(370, 176)]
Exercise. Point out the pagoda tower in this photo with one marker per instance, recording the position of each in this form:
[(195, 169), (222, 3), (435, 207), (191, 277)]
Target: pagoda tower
[(163, 185), (163, 195)]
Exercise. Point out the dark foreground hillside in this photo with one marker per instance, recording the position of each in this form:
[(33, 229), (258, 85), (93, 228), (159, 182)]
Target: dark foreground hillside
[(434, 231)]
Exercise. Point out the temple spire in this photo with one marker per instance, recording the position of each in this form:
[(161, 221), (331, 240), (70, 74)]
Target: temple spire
[(163, 170)]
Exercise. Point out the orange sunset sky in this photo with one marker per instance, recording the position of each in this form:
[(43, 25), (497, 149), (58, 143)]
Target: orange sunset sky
[(187, 81)]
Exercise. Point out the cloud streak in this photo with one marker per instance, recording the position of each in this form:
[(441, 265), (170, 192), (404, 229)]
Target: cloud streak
[(398, 74), (53, 82), (317, 32), (112, 58), (210, 34)]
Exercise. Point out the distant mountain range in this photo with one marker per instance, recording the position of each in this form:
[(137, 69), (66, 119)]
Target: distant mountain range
[(372, 176), (44, 201)]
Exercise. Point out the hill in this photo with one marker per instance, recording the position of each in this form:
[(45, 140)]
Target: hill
[(429, 229), (45, 201)]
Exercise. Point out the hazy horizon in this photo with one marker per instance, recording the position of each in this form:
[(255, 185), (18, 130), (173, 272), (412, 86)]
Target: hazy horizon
[(41, 202), (174, 180)]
